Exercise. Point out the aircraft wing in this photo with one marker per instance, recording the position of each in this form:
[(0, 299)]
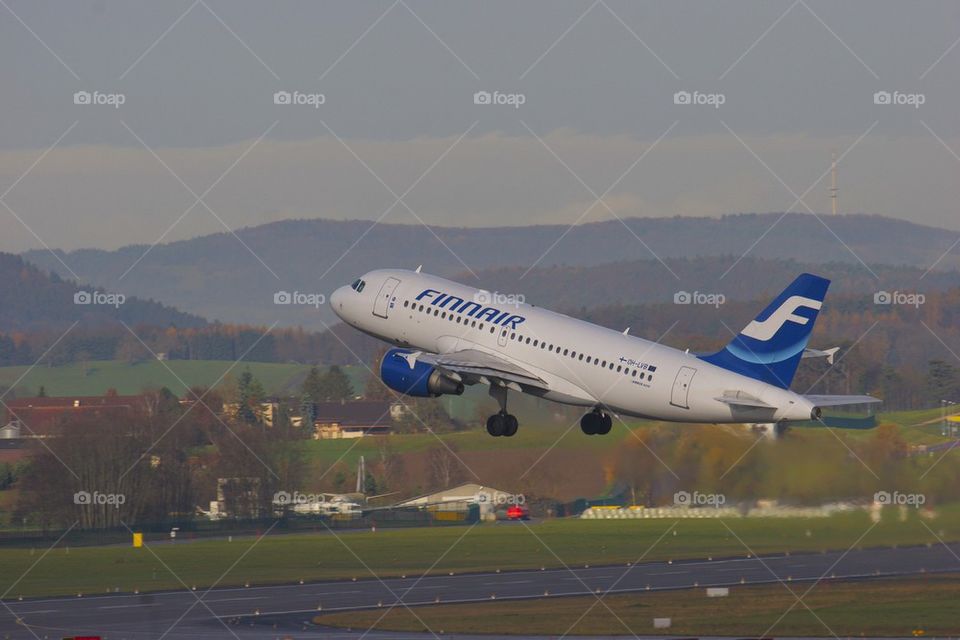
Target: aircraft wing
[(478, 365), (838, 401)]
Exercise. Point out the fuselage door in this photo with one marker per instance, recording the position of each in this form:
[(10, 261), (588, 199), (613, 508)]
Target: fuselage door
[(383, 302), (502, 337), (681, 387)]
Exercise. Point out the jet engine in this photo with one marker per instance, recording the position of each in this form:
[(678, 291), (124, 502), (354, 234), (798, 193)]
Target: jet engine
[(421, 380)]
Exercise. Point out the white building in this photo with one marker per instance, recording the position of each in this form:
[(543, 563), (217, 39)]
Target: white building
[(460, 498)]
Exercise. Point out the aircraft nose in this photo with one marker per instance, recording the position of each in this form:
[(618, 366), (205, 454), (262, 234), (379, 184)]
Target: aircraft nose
[(337, 300)]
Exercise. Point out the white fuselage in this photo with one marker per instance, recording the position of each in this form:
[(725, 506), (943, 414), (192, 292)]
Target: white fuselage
[(581, 363)]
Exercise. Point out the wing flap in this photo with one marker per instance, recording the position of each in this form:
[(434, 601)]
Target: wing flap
[(479, 364)]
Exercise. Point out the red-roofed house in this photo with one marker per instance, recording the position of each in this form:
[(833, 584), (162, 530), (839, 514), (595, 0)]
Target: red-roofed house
[(39, 417)]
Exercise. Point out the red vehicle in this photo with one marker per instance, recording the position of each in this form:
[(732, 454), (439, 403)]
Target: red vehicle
[(518, 512)]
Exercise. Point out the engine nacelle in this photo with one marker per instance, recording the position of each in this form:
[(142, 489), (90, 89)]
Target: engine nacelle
[(422, 381)]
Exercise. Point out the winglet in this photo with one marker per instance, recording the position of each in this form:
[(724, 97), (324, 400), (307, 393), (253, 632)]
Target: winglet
[(418, 269)]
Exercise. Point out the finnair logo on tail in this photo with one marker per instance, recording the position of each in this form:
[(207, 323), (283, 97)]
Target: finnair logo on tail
[(763, 330)]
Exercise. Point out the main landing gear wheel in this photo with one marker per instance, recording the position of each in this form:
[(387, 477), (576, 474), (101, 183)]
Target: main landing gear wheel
[(596, 423), (502, 424)]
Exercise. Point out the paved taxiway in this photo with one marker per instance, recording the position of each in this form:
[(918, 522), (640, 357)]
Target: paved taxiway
[(273, 611)]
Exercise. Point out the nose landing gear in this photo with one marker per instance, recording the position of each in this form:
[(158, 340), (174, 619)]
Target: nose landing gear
[(596, 423)]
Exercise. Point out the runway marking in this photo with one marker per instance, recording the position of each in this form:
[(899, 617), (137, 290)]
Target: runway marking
[(507, 582), (128, 606), (233, 599), (30, 613), (667, 573)]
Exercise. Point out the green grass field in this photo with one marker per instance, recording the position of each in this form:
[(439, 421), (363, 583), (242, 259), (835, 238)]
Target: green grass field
[(484, 547), (885, 607), (538, 435)]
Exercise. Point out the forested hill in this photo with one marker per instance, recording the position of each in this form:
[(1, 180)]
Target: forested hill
[(34, 301)]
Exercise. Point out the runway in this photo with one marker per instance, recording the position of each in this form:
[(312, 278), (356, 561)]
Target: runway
[(286, 610)]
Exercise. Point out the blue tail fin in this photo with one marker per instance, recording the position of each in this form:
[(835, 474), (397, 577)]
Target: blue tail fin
[(770, 347)]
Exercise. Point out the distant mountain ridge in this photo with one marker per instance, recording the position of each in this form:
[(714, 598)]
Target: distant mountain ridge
[(640, 282), (217, 277)]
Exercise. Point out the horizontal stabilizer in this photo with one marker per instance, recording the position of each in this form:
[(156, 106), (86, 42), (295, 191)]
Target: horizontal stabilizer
[(839, 401), (829, 354)]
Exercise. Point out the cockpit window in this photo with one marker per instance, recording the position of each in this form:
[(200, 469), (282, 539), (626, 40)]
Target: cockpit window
[(358, 285)]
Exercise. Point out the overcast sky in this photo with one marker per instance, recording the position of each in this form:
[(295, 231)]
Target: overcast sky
[(598, 83)]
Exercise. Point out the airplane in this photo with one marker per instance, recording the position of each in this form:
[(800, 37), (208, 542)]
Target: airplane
[(447, 335)]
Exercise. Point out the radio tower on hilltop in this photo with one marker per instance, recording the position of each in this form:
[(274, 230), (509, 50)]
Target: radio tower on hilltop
[(833, 183)]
